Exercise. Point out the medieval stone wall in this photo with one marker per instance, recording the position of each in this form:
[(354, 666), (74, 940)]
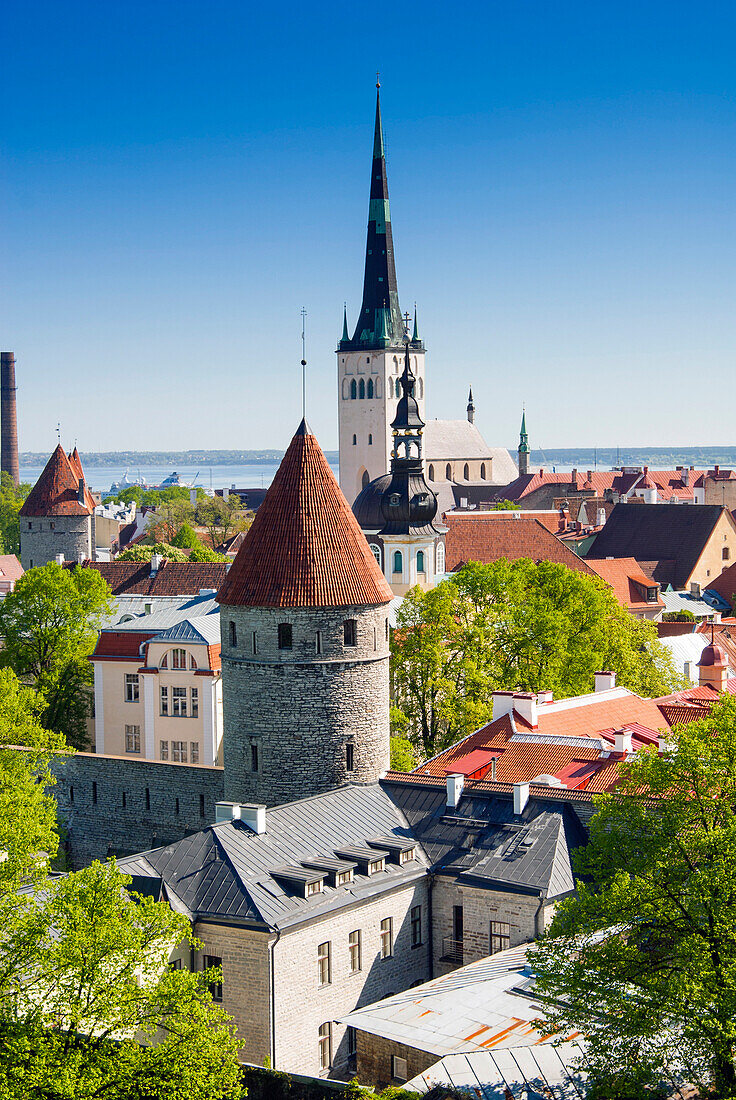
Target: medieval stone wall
[(41, 539), (290, 714)]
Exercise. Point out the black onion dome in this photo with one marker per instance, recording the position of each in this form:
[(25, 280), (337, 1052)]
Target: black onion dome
[(367, 504), (407, 503)]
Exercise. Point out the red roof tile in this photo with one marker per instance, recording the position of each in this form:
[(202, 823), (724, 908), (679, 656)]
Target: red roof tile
[(487, 537), (10, 567), (173, 578), (627, 579), (305, 548), (120, 643), (56, 493)]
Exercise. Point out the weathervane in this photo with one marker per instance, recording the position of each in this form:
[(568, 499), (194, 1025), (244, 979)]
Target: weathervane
[(407, 322), (304, 363), (378, 79), (58, 431)]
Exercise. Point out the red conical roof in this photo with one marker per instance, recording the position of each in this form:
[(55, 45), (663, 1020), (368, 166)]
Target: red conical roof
[(56, 493), (305, 548)]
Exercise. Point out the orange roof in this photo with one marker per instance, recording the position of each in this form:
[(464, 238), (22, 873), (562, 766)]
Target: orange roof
[(56, 493), (627, 579), (305, 548), (489, 536)]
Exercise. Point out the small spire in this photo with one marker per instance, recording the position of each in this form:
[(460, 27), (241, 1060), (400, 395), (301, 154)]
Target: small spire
[(415, 334), (378, 149), (345, 322), (471, 406)]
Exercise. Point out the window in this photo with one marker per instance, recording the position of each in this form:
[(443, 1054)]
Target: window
[(430, 472), (725, 553), (440, 557), (233, 634), (94, 794), (350, 756), (353, 390), (375, 866), (466, 472), (457, 923), (355, 948), (132, 738), (416, 925), (376, 551), (194, 752), (179, 702), (350, 631), (176, 807), (355, 440), (254, 758), (132, 687), (420, 561), (71, 794), (344, 878), (483, 471), (370, 439), (387, 937), (324, 964), (386, 628), (124, 800), (398, 562), (175, 964), (285, 636), (194, 699), (148, 798), (499, 937), (361, 389), (178, 658), (314, 888), (255, 642), (406, 856), (164, 701), (179, 752), (365, 480), (375, 639), (448, 472), (651, 595), (201, 805), (165, 659), (325, 1045), (352, 1041), (318, 642), (370, 387), (164, 750), (214, 962), (399, 1068)]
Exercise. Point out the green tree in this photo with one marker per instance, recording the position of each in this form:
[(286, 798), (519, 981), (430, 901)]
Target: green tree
[(403, 755), (170, 516), (142, 553), (11, 499), (222, 518), (203, 553), (49, 625), (186, 538), (513, 625), (642, 960)]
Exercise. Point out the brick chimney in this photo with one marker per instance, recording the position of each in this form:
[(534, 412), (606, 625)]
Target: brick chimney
[(8, 417)]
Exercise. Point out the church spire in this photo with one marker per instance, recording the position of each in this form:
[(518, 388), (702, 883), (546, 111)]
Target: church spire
[(380, 323), (523, 446), (471, 406)]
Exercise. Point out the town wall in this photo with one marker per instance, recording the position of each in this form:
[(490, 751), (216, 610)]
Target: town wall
[(301, 1005), (41, 539), (293, 712), (111, 805), (374, 1064)]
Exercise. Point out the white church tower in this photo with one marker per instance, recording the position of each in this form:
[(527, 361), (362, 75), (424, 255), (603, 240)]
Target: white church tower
[(370, 364)]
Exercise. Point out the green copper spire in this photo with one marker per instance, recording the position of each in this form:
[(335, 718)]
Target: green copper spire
[(345, 322), (415, 334), (523, 437)]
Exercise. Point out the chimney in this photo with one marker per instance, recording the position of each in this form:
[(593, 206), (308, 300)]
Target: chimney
[(590, 475), (503, 703), (604, 681), (521, 796), (688, 671), (251, 814), (685, 475), (622, 741), (545, 696), (80, 490), (525, 702), (716, 470), (574, 479), (455, 784), (8, 417), (193, 497), (156, 560), (59, 559), (225, 494), (695, 589)]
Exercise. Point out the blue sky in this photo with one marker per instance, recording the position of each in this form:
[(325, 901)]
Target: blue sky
[(179, 178)]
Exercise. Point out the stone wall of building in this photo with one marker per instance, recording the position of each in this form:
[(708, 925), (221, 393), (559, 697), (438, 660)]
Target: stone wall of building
[(112, 805), (301, 1005), (41, 539), (375, 1060), (480, 907), (290, 714)]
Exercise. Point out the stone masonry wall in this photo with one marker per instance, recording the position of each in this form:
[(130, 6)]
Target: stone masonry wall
[(301, 1004), (112, 805), (300, 707), (480, 907), (40, 542), (375, 1060)]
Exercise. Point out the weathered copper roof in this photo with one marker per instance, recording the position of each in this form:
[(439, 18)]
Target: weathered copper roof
[(56, 493), (305, 548)]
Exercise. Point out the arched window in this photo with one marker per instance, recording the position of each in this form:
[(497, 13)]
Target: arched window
[(366, 478), (430, 471), (398, 387), (398, 562), (376, 551), (448, 472), (420, 388), (420, 561), (355, 440), (370, 440), (483, 471), (466, 472), (361, 389), (164, 661), (370, 387), (440, 557), (178, 658), (353, 390), (345, 389)]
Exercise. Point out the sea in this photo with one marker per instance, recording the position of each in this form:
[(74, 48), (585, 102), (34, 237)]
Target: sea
[(101, 478)]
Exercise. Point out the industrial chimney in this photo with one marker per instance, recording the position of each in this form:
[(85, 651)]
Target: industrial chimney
[(8, 417)]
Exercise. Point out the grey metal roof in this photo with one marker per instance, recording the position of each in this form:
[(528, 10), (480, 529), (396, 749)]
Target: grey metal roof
[(202, 630), (458, 439), (165, 612), (685, 601), (545, 1069), (484, 840), (226, 871)]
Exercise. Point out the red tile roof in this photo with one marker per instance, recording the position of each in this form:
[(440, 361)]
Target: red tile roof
[(121, 644), (56, 493), (173, 578), (627, 579), (10, 567), (489, 536), (725, 584), (305, 548)]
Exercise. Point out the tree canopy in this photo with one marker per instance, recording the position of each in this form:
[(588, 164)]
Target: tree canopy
[(519, 624), (642, 960), (222, 517), (11, 499), (141, 552), (49, 625)]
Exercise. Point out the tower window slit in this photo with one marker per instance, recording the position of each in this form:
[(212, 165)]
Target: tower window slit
[(350, 631), (285, 636)]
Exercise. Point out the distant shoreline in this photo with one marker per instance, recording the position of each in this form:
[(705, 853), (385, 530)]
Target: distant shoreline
[(584, 457)]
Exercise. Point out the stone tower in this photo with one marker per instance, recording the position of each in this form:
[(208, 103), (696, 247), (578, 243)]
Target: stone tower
[(523, 446), (304, 622), (369, 364), (57, 516)]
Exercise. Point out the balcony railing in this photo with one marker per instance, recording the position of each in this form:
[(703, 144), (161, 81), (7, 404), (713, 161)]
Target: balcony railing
[(452, 950)]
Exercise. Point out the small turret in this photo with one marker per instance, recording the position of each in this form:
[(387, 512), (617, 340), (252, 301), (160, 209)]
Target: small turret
[(471, 407), (523, 446)]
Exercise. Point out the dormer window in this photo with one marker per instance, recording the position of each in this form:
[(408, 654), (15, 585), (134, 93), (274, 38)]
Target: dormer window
[(376, 865), (651, 595), (314, 888), (344, 878), (394, 500), (406, 856)]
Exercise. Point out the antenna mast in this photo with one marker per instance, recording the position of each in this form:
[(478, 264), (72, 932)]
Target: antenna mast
[(304, 363)]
